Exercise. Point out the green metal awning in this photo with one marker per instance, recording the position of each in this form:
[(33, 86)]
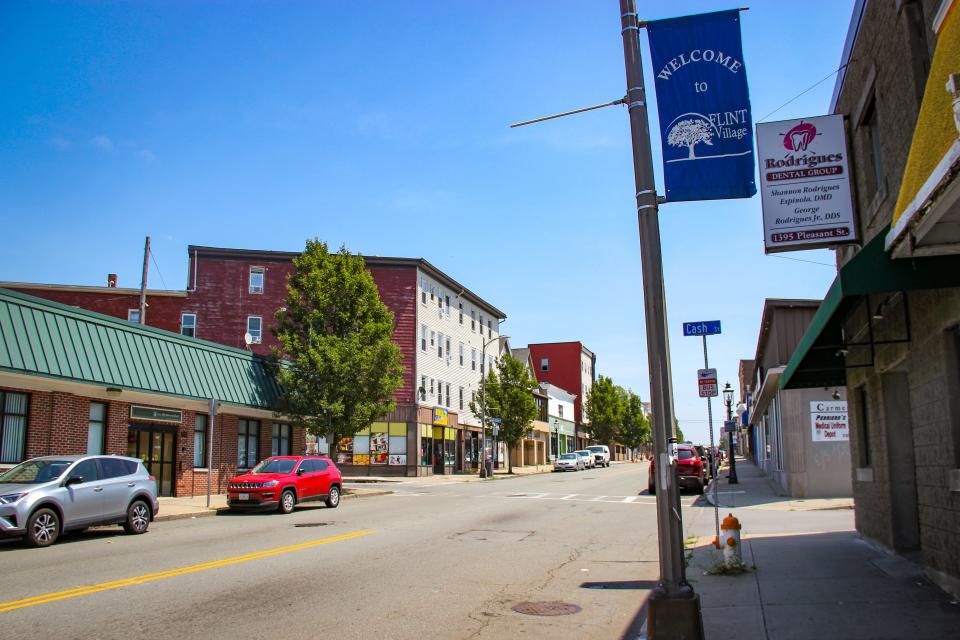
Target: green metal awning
[(48, 339), (818, 360)]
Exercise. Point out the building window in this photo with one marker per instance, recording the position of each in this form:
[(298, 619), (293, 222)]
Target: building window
[(560, 410), (431, 293), (433, 338), (481, 324), (439, 345), (188, 325), (446, 299), (461, 312), (13, 426), (199, 441), (461, 398), (489, 328), (431, 387), (423, 337), (461, 354), (255, 329), (448, 346), (473, 320), (448, 394), (544, 364), (423, 388), (423, 290), (256, 279), (96, 428), (872, 130), (133, 315), (473, 359), (248, 432), (280, 440)]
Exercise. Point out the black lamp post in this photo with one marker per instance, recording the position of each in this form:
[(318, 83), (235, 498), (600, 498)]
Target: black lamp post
[(728, 400)]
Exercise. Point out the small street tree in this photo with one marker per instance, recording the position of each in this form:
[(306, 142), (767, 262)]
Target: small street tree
[(635, 429), (604, 407), (509, 397), (336, 334)]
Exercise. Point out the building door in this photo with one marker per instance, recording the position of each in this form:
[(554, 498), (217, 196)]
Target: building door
[(904, 511), (156, 446)]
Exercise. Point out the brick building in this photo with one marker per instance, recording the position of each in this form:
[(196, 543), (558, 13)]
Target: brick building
[(573, 368), (888, 326), (447, 335), (76, 382)]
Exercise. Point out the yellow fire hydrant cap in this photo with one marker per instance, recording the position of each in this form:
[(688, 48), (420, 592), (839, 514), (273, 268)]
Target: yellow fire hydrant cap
[(730, 523)]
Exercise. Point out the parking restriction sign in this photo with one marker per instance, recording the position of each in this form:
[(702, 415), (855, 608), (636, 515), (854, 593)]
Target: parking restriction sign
[(707, 382)]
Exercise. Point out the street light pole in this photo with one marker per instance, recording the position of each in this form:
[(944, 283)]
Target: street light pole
[(674, 608), (483, 404), (728, 399)]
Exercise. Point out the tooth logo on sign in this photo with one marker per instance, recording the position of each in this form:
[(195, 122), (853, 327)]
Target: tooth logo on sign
[(799, 137)]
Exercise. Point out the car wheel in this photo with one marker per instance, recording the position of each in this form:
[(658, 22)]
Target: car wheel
[(333, 498), (138, 518), (287, 501), (43, 528)]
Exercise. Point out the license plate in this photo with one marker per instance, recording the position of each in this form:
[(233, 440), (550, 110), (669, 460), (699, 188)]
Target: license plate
[(243, 496)]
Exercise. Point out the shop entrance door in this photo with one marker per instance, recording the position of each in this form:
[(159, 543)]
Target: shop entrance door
[(156, 446)]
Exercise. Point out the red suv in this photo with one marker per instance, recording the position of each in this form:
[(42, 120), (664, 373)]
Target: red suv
[(690, 471), (283, 481)]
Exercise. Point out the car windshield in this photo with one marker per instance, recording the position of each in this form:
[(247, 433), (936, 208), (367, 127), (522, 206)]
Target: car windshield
[(35, 472), (568, 456), (282, 465), (596, 449), (685, 454)]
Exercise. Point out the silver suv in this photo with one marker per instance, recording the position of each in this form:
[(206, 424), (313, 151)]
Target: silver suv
[(43, 497)]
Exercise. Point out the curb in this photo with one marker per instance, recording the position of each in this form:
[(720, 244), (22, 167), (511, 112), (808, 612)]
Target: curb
[(215, 511)]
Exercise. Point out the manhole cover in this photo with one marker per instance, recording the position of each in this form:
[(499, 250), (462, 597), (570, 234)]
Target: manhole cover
[(311, 524), (546, 608)]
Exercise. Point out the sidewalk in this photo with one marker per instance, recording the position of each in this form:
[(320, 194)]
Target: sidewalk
[(757, 491), (808, 581), (196, 506)]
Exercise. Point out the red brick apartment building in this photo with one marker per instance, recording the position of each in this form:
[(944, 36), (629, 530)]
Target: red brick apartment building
[(232, 297), (573, 368)]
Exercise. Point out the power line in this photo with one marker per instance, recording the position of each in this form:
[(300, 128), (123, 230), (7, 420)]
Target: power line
[(819, 82), (825, 264), (152, 257)]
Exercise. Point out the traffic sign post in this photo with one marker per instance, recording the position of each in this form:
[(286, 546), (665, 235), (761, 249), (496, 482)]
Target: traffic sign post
[(708, 388)]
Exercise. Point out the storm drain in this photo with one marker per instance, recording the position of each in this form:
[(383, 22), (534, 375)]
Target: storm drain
[(311, 524), (546, 608)]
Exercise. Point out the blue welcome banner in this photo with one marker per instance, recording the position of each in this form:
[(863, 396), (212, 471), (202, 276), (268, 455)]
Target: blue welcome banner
[(706, 130)]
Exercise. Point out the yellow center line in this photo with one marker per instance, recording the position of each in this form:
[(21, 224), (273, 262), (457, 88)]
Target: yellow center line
[(172, 573)]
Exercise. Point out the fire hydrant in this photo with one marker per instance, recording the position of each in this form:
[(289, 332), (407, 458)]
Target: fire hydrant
[(730, 537)]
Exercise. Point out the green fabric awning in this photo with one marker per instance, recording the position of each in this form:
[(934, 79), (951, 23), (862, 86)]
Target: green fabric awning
[(817, 361)]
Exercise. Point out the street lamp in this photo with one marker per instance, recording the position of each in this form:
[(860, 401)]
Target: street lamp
[(728, 400), (556, 429), (483, 404)]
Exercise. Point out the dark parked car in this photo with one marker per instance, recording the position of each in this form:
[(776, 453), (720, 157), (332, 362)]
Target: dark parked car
[(283, 481), (691, 472)]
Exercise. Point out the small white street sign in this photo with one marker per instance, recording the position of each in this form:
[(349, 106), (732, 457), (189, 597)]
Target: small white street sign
[(707, 383)]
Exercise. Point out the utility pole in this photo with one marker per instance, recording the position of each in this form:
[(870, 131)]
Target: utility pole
[(143, 283), (211, 421), (674, 608)]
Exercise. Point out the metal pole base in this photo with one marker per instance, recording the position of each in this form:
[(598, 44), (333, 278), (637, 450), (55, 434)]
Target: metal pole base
[(674, 617)]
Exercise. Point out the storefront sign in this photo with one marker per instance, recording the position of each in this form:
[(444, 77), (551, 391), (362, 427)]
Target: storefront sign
[(440, 416), (805, 184), (829, 421), (155, 415), (398, 460), (706, 130)]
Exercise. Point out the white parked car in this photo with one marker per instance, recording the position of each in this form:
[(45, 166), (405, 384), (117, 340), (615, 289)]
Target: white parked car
[(589, 462), (601, 454), (568, 462)]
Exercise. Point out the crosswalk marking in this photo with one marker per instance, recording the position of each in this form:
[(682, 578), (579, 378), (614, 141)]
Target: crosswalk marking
[(629, 498)]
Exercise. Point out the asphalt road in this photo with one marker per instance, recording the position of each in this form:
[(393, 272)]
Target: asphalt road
[(430, 561)]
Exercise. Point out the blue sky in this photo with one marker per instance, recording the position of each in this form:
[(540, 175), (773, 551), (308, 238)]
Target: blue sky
[(384, 126)]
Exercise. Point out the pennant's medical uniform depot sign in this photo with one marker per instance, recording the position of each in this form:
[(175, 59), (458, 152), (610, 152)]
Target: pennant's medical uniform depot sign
[(706, 130), (805, 184), (828, 419)]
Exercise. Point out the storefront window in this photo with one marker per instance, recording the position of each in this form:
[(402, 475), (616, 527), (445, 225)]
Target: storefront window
[(13, 426), (96, 428), (426, 451), (280, 440), (247, 433), (199, 440)]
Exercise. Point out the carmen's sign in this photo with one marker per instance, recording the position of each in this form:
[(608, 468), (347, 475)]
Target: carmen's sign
[(805, 184)]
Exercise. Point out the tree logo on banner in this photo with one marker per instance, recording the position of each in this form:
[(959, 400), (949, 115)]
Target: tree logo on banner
[(691, 132)]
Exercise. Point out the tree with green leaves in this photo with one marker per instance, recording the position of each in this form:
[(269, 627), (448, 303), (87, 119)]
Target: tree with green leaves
[(680, 437), (604, 406), (337, 336), (635, 429), (509, 397)]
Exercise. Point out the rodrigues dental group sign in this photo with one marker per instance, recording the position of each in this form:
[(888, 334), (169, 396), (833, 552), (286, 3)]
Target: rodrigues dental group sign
[(805, 184), (706, 130)]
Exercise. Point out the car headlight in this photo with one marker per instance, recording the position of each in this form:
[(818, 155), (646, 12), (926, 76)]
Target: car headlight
[(10, 498), (270, 483)]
